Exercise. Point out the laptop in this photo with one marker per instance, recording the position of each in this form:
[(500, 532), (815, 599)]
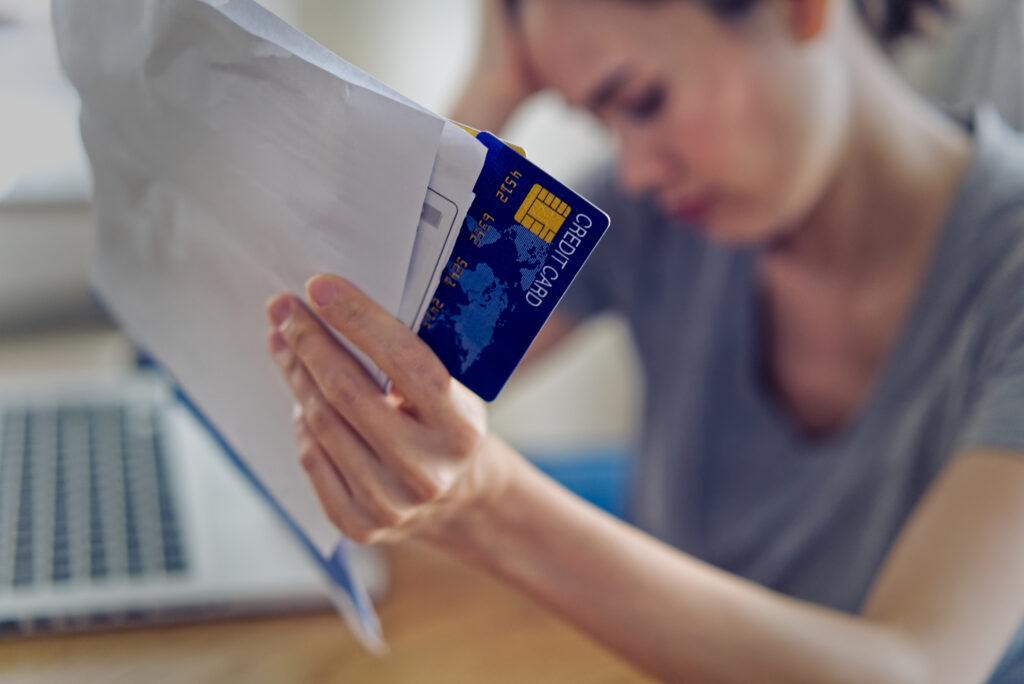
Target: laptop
[(118, 508)]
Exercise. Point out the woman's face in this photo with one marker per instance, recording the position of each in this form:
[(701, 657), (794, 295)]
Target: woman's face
[(732, 125)]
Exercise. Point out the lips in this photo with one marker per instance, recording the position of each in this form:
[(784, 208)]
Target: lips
[(692, 210)]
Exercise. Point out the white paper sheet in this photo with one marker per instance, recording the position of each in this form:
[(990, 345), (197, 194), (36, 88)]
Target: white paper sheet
[(459, 162), (228, 168)]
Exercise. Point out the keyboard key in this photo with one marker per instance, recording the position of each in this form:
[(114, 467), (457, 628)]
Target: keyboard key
[(85, 492)]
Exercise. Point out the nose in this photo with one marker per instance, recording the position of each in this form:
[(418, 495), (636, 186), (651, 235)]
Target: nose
[(643, 168)]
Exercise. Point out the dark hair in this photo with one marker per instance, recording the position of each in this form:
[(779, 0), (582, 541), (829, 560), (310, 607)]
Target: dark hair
[(888, 20)]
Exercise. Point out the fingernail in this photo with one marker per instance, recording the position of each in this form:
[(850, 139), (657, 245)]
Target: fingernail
[(279, 310), (277, 343), (322, 290)]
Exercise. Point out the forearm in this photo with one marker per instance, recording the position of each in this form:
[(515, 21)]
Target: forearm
[(501, 78), (671, 615), (420, 461)]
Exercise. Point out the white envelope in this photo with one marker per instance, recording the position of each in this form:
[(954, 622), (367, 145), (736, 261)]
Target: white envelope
[(233, 158)]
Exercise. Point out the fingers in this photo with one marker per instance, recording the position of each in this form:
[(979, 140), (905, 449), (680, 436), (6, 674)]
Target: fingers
[(372, 499), (379, 471), (340, 379), (333, 492), (384, 496), (414, 369)]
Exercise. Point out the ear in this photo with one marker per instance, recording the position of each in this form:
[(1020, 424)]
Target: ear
[(807, 18)]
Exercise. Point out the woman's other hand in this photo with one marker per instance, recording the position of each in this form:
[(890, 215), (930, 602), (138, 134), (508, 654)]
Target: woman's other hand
[(384, 465), (502, 77)]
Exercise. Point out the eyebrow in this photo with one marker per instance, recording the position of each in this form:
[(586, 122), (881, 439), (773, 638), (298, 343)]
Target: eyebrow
[(607, 89)]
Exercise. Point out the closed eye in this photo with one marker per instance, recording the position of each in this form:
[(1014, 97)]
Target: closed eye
[(647, 105)]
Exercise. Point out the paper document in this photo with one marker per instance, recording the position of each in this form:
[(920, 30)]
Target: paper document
[(232, 159)]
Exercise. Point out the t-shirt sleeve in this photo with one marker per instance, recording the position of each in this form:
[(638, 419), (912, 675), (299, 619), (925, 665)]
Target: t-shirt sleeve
[(980, 60), (606, 281), (995, 418)]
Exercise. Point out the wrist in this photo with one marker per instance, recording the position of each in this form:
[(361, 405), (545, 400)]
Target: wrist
[(480, 529)]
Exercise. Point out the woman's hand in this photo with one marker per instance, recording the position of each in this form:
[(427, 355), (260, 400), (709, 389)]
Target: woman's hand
[(384, 465), (501, 54), (502, 77)]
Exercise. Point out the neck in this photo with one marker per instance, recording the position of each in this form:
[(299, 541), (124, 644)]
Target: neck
[(898, 172)]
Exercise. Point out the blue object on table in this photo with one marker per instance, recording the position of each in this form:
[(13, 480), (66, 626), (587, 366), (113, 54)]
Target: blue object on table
[(599, 475)]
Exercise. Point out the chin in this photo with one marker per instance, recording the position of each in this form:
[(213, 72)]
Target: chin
[(740, 231)]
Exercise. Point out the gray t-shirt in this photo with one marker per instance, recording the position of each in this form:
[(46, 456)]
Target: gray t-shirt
[(982, 58), (724, 475)]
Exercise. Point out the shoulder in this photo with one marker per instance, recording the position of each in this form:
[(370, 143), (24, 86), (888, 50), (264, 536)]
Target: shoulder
[(989, 219), (986, 263), (995, 182), (980, 58)]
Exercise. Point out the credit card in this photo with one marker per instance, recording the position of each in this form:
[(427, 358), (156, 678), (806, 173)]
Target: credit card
[(525, 238)]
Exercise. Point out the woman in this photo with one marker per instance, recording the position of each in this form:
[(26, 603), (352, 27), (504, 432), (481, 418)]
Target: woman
[(834, 352)]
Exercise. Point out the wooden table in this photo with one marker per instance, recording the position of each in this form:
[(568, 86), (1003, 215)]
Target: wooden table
[(444, 622)]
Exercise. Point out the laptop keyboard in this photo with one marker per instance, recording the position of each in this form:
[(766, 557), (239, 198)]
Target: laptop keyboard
[(85, 495)]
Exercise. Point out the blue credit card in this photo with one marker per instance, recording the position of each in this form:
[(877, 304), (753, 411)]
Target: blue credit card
[(525, 238)]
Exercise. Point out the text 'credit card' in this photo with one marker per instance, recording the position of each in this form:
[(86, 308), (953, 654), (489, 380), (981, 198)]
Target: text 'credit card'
[(525, 238)]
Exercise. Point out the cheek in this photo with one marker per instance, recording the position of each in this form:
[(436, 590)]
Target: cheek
[(742, 141), (752, 146), (723, 125)]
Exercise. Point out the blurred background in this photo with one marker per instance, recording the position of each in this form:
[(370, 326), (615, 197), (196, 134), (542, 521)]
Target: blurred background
[(424, 50), (575, 411)]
